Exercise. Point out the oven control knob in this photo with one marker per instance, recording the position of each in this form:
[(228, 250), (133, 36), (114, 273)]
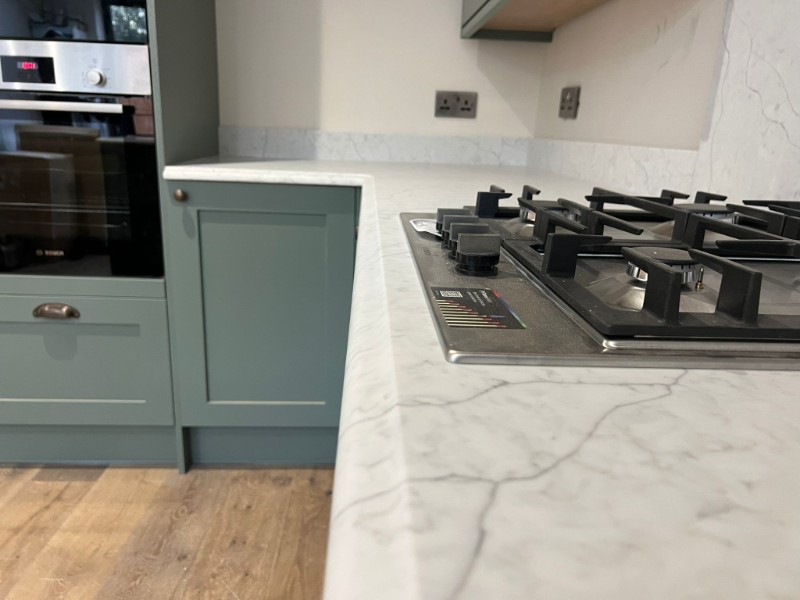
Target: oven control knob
[(95, 77), (478, 253)]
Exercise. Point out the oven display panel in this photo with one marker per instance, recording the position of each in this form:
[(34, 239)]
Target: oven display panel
[(27, 69)]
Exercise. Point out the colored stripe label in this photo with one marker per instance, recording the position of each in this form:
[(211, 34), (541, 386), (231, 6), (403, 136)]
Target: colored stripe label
[(475, 307)]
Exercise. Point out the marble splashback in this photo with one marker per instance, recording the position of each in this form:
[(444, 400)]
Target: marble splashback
[(304, 144), (754, 142), (634, 169)]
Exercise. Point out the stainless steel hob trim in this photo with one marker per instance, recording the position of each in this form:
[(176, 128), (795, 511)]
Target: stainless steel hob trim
[(582, 345)]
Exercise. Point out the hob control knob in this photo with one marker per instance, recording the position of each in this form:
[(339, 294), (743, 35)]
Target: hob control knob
[(449, 220), (456, 229), (478, 253), (441, 212), (95, 77)]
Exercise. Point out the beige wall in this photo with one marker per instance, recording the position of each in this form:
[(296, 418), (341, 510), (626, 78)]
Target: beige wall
[(368, 66), (647, 71)]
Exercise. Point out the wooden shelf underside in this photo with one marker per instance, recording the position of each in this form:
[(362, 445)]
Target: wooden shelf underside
[(539, 15)]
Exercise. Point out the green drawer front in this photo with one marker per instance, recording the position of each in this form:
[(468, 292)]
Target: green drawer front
[(109, 366)]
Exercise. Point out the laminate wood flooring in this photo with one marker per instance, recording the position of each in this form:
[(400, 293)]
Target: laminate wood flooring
[(121, 533)]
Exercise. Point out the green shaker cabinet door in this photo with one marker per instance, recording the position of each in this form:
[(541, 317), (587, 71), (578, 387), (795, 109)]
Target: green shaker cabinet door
[(259, 282)]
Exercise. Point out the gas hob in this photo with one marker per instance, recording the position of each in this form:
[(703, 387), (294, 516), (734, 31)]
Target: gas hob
[(616, 280)]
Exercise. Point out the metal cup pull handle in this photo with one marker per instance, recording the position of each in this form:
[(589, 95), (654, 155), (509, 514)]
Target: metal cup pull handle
[(56, 311)]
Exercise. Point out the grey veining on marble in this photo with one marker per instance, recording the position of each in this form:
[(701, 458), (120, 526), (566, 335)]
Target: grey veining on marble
[(306, 144), (463, 482)]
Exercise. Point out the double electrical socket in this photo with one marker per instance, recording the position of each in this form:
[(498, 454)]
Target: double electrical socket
[(456, 105)]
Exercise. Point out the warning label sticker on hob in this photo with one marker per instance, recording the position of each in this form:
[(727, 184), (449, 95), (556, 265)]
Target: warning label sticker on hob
[(475, 307)]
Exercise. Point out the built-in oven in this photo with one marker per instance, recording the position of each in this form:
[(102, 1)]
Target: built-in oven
[(78, 171)]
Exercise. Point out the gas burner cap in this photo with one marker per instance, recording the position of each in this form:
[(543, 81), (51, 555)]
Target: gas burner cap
[(675, 258)]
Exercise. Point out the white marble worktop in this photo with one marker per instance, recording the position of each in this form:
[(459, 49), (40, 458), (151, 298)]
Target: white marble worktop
[(503, 483)]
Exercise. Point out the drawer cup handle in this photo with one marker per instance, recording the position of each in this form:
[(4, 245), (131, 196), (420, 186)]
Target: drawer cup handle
[(57, 311)]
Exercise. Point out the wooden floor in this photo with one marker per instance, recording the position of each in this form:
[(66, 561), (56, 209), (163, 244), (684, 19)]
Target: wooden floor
[(154, 534)]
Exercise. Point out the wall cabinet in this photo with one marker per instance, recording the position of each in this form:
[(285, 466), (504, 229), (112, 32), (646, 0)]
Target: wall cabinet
[(533, 20), (259, 281)]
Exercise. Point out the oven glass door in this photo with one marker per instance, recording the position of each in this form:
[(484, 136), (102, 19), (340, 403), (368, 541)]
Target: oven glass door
[(120, 21), (78, 186)]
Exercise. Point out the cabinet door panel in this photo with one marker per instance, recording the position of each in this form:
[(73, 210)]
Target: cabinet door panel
[(261, 339), (109, 366), (262, 305)]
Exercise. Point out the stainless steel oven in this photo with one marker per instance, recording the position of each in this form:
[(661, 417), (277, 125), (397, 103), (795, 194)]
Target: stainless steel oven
[(78, 171)]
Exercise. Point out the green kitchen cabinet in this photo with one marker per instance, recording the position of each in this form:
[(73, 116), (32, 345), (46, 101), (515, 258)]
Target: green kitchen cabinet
[(93, 388), (259, 282), (84, 352), (96, 388)]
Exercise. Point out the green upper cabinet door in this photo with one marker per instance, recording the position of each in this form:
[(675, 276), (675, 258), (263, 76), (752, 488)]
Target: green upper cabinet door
[(259, 282)]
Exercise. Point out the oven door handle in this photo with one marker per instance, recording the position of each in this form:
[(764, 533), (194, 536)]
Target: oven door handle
[(58, 106)]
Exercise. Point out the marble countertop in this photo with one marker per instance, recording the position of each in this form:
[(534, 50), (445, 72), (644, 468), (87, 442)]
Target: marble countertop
[(493, 482)]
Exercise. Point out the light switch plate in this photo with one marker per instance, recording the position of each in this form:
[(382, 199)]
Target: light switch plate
[(570, 100)]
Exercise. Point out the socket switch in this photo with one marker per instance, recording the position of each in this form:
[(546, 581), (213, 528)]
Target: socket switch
[(456, 105), (570, 100)]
